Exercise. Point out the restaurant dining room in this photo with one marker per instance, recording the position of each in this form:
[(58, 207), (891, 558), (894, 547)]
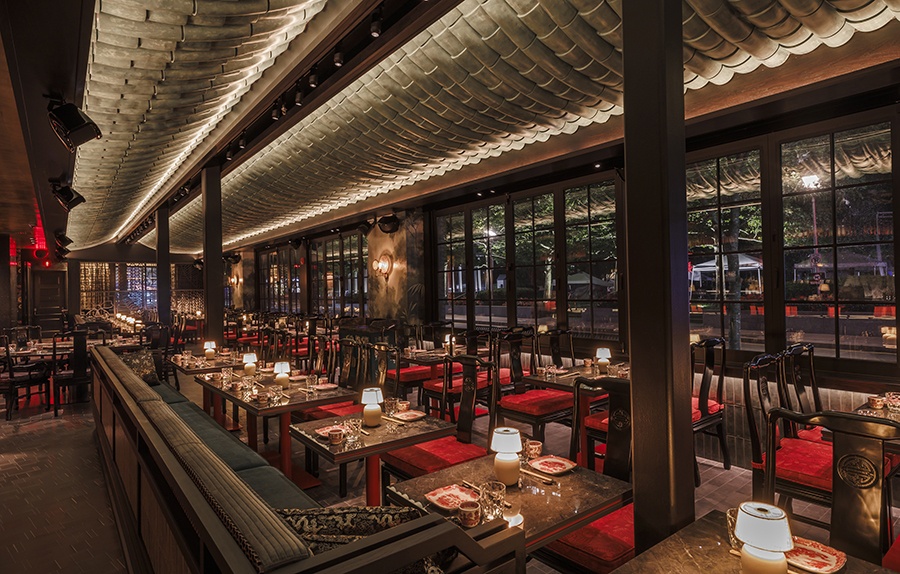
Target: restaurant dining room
[(418, 286)]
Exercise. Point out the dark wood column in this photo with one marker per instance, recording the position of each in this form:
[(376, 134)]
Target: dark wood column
[(7, 285), (656, 246), (73, 288), (213, 266), (163, 267)]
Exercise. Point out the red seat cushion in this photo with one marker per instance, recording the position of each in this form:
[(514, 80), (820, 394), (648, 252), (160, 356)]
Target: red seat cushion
[(713, 407), (437, 385), (891, 560), (538, 402), (603, 545), (598, 421), (432, 456), (412, 373), (335, 410), (301, 351), (812, 433), (803, 462), (248, 339), (190, 327)]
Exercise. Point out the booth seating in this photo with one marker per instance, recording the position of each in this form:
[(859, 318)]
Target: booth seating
[(190, 497)]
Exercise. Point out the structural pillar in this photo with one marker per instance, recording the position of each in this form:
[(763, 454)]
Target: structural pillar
[(163, 267), (73, 291), (213, 266), (656, 247), (7, 284)]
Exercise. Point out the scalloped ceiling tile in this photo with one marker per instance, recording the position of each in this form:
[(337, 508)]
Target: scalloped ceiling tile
[(488, 77)]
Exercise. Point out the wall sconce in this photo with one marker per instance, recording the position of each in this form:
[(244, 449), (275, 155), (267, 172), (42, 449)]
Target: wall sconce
[(384, 265)]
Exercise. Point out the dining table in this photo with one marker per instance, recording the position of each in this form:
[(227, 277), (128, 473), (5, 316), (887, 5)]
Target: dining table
[(703, 546), (390, 435), (295, 399), (550, 506)]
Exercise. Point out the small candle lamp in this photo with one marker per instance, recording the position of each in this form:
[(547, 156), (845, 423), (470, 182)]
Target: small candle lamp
[(602, 356), (695, 338), (372, 411), (507, 443), (249, 364), (199, 313), (766, 534), (283, 374), (209, 349)]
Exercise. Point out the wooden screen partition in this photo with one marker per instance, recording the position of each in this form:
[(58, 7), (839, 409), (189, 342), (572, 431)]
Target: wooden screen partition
[(167, 526)]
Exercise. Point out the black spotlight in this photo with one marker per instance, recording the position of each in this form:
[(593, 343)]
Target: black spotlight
[(232, 258), (198, 264), (68, 198), (295, 243), (61, 251), (375, 24), (62, 240), (72, 126), (364, 227), (389, 223), (40, 253)]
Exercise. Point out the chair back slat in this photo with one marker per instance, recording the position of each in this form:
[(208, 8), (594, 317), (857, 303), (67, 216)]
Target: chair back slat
[(470, 369), (797, 379), (617, 460), (710, 349)]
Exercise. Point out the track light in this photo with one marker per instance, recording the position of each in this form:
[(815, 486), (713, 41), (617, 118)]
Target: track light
[(375, 26), (298, 94), (313, 78), (40, 253), (338, 57), (295, 243), (62, 240), (276, 111), (242, 141), (198, 264), (62, 251), (389, 223), (365, 227), (68, 198), (232, 258), (229, 154), (283, 107), (72, 126)]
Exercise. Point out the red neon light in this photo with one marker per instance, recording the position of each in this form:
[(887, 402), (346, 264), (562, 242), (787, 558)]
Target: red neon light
[(12, 252)]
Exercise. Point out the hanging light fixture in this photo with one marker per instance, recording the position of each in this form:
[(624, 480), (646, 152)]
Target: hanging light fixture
[(338, 56), (242, 141), (375, 26), (313, 77)]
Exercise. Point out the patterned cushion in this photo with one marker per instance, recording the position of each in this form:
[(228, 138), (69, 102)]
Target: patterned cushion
[(437, 385), (803, 462), (603, 545), (812, 433), (324, 529), (538, 402), (141, 362), (430, 456), (412, 373), (713, 407)]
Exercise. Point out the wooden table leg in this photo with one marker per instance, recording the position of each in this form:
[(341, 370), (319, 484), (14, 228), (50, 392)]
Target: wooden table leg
[(284, 443), (252, 439), (207, 399), (218, 415), (373, 480)]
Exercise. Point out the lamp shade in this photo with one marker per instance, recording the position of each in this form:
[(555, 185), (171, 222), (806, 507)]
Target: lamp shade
[(209, 345), (371, 396), (603, 353), (506, 439), (763, 526), (249, 358), (282, 367)]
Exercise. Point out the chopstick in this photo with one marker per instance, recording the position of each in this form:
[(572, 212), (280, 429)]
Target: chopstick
[(365, 432), (540, 477), (397, 422)]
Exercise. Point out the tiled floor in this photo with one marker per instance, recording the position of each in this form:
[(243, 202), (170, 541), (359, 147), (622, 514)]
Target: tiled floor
[(55, 513)]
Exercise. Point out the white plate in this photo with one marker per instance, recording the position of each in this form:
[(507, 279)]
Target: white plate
[(323, 432), (551, 464), (325, 387), (409, 416), (450, 497), (815, 557)]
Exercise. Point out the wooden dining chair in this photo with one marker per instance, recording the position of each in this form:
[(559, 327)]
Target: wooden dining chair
[(707, 404), (608, 542), (431, 456), (560, 345), (857, 466), (398, 379), (797, 387), (536, 407), (77, 372), (15, 377)]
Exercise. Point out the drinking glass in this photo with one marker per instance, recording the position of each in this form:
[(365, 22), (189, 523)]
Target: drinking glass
[(187, 353), (390, 406), (493, 493), (892, 400), (227, 373), (354, 428), (312, 380)]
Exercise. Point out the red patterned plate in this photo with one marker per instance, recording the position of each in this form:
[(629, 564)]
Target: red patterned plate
[(815, 557), (323, 432), (409, 415), (449, 497), (552, 464)]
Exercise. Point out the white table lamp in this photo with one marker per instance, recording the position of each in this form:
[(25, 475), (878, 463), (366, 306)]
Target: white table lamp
[(372, 411), (507, 443), (766, 534), (603, 355), (249, 364), (209, 349), (283, 374)]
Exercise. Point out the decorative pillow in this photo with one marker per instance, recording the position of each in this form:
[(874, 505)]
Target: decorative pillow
[(324, 529), (141, 362)]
